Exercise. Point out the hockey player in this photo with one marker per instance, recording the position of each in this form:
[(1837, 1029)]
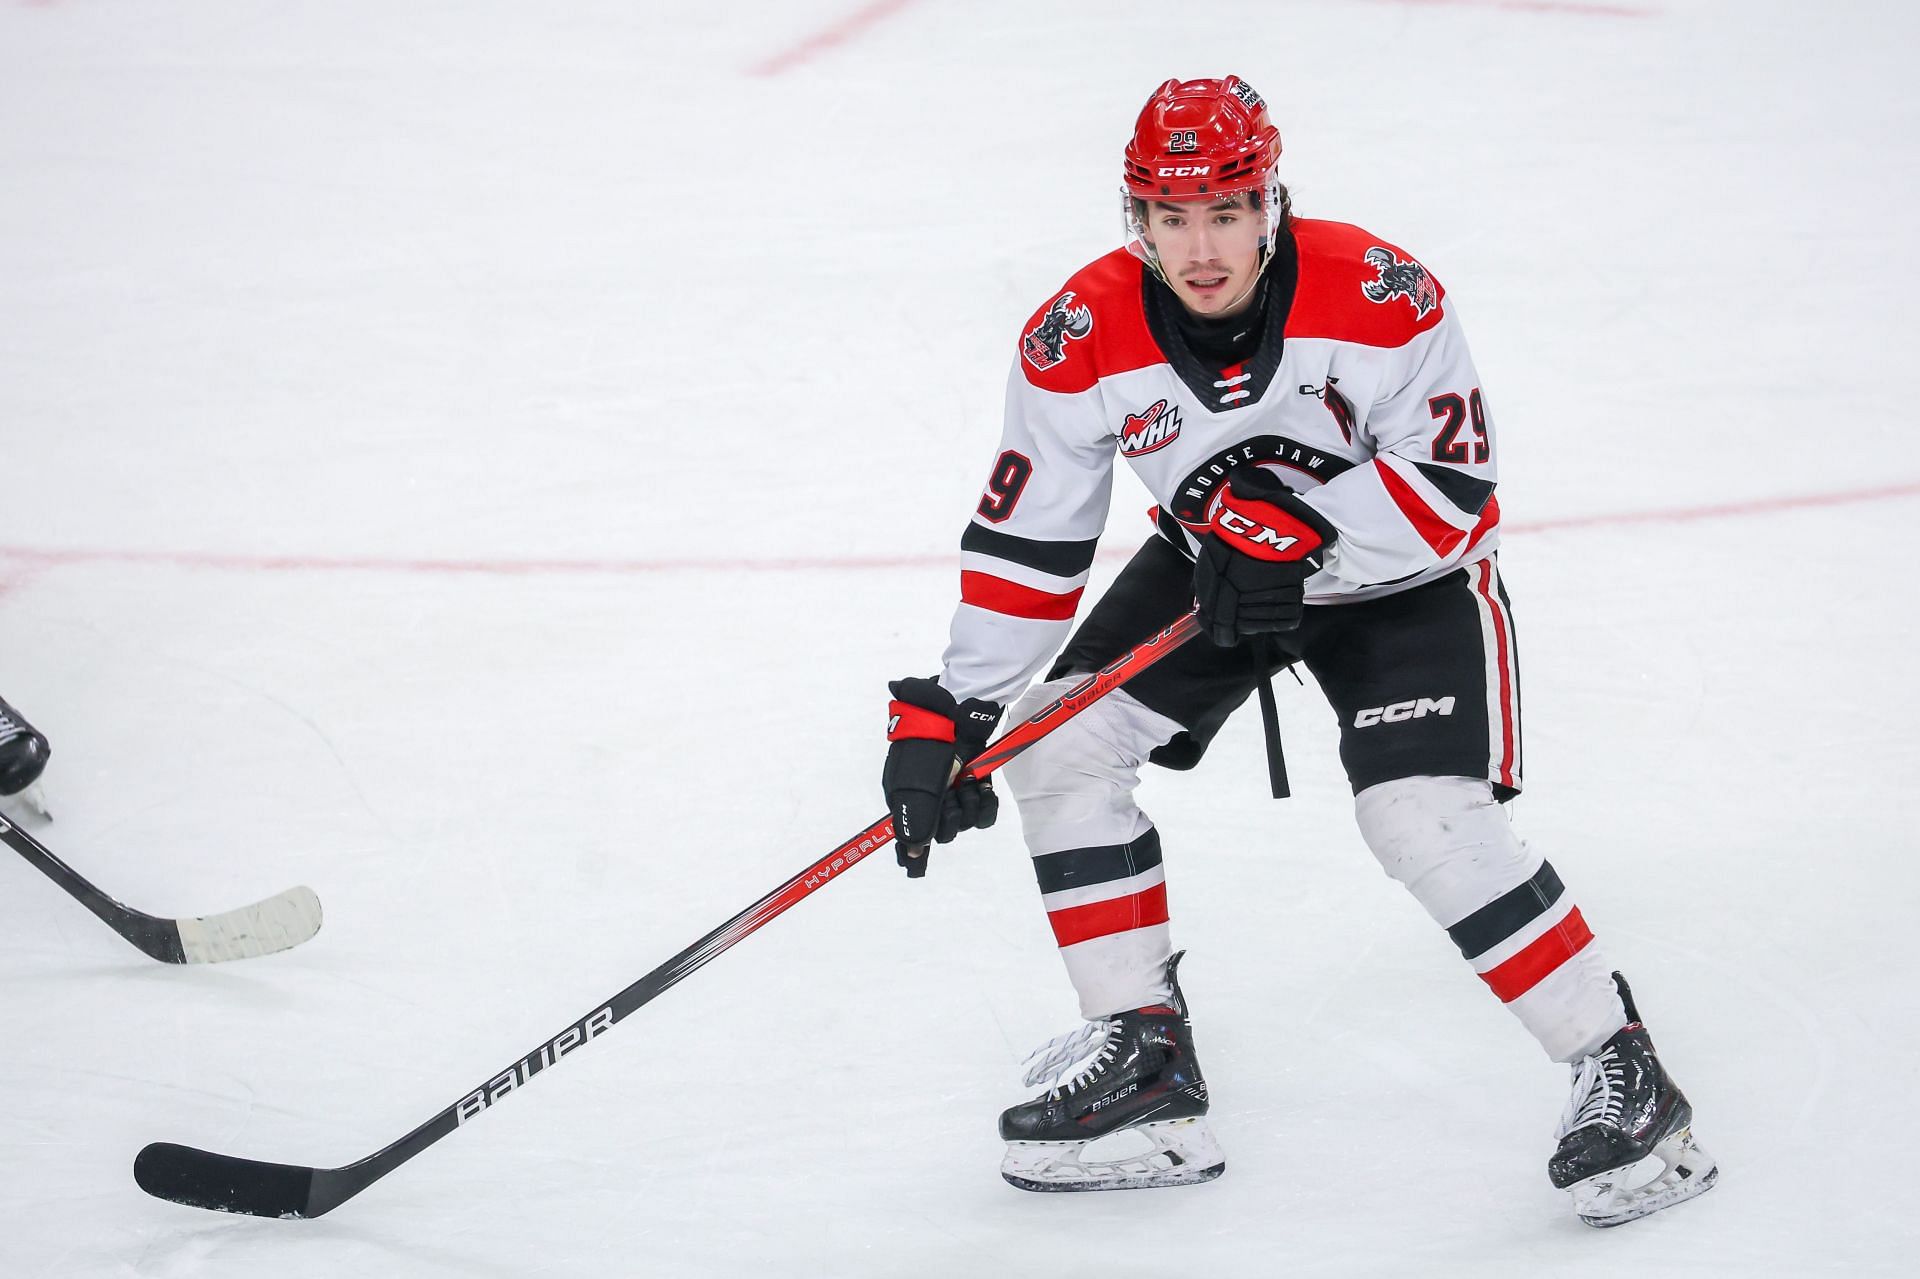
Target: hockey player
[(1298, 396), (23, 751)]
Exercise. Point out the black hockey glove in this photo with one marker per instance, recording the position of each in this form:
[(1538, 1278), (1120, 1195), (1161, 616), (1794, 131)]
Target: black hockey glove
[(1260, 547), (932, 738)]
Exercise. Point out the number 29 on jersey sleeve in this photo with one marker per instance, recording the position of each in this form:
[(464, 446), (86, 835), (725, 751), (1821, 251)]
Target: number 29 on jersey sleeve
[(1011, 471)]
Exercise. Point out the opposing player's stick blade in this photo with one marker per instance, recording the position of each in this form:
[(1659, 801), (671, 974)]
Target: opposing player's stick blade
[(275, 923)]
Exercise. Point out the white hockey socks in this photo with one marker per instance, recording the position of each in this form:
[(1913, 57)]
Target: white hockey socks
[(1095, 854), (1450, 843)]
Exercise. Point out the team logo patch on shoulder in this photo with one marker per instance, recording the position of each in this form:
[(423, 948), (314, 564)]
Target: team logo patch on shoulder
[(1152, 428), (1400, 279), (1046, 345)]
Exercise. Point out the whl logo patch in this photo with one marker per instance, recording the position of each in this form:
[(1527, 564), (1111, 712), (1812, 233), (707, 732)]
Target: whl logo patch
[(1400, 279), (1153, 428), (1046, 345)]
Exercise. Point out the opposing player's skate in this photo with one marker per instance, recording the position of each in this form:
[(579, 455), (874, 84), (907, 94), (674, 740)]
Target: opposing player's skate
[(23, 756), (1626, 1139), (1129, 1082)]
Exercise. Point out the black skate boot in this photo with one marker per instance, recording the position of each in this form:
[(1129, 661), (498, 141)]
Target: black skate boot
[(23, 751), (1133, 1073), (1626, 1139)]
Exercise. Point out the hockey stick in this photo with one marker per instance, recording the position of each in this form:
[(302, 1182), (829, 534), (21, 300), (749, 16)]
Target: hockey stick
[(203, 1179), (283, 920)]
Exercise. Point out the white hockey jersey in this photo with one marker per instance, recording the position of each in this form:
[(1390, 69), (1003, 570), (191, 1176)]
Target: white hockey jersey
[(1362, 396)]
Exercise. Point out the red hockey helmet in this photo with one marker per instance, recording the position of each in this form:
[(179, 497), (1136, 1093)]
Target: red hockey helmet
[(1197, 139), (1201, 140)]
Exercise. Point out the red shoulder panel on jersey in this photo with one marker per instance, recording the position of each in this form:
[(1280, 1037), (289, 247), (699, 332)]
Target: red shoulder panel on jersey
[(1092, 328), (1356, 287)]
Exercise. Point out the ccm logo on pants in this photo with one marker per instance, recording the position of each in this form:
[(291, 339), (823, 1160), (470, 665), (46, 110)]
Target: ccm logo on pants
[(1399, 711)]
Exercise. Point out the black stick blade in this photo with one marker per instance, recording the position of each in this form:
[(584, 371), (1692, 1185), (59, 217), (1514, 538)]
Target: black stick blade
[(202, 1179)]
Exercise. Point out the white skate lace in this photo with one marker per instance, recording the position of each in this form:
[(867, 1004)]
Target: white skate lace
[(10, 727), (1599, 1093), (1066, 1061)]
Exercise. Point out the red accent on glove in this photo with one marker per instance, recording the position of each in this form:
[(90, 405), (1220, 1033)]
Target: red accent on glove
[(1261, 529), (905, 720)]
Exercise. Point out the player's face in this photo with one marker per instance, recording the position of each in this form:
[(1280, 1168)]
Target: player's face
[(1209, 250)]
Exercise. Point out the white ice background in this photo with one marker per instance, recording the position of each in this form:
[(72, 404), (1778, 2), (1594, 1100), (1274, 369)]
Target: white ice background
[(432, 284)]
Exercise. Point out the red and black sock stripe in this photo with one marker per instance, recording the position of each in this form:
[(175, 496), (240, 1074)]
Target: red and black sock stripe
[(1098, 892), (1521, 937)]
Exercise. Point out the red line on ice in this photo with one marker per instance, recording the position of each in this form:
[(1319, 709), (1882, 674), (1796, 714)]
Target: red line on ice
[(25, 559), (1536, 6), (384, 564), (828, 37), (1722, 510)]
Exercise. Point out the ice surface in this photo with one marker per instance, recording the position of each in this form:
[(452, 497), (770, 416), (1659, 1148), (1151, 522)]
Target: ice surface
[(437, 285)]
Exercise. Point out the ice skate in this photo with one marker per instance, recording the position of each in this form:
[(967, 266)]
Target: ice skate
[(1125, 1109), (1626, 1138), (23, 756)]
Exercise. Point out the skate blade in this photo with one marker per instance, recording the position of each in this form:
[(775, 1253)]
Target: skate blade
[(1677, 1170), (1182, 1152)]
